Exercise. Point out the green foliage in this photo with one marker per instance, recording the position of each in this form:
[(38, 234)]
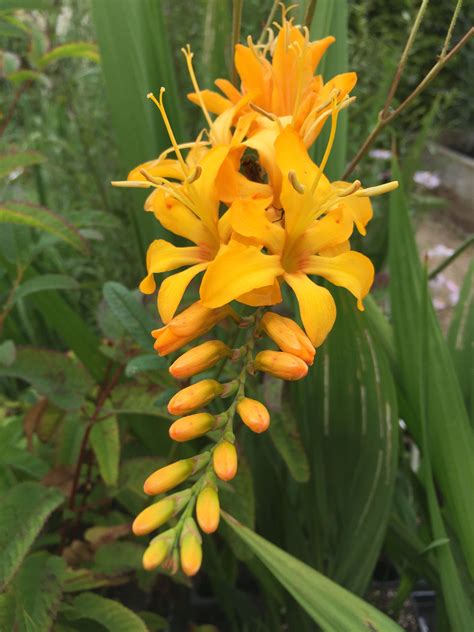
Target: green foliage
[(111, 615), (18, 160), (135, 320), (105, 441)]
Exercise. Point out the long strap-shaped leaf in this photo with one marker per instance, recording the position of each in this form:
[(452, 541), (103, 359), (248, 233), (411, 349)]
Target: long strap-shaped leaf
[(328, 604)]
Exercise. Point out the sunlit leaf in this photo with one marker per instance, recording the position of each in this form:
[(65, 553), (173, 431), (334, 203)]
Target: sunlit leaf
[(85, 50)]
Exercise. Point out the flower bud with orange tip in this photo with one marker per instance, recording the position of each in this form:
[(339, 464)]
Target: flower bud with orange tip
[(172, 475), (224, 460), (280, 364), (192, 426), (154, 516), (199, 359), (197, 318), (158, 550), (288, 336), (195, 396), (190, 548), (254, 414), (208, 509)]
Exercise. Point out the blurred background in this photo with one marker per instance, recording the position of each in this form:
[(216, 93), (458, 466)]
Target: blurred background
[(74, 75)]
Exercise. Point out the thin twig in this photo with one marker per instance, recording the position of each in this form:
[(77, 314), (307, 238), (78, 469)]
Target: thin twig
[(444, 264), (8, 305), (449, 34), (383, 122), (236, 21), (269, 21), (403, 59), (310, 10)]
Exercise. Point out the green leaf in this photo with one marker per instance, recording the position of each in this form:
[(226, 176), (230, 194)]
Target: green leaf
[(29, 5), (38, 591), (116, 558), (25, 509), (53, 374), (451, 438), (136, 58), (20, 76), (329, 605), (19, 160), (85, 50), (77, 580), (145, 363), (134, 318), (461, 340), (42, 219), (45, 282), (105, 441), (7, 353), (238, 497), (111, 614)]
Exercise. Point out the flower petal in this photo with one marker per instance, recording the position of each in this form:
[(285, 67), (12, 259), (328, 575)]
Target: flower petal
[(203, 192), (359, 207), (163, 257), (329, 231), (238, 269), (317, 306), (213, 101), (172, 289), (351, 270), (163, 168), (249, 219), (270, 295)]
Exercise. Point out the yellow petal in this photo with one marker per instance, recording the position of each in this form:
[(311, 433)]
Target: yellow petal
[(203, 193), (327, 232), (163, 257), (165, 168), (351, 270), (263, 142), (213, 101), (270, 295), (231, 184), (359, 207), (317, 307), (248, 218), (318, 48), (238, 269), (228, 89), (250, 70), (172, 289)]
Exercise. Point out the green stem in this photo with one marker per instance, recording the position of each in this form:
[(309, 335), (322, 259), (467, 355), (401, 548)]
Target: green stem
[(449, 34), (444, 264)]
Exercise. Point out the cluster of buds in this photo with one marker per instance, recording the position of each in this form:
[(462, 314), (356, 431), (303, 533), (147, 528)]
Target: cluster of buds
[(255, 224)]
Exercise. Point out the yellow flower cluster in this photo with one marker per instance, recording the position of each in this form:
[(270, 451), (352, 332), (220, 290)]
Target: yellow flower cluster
[(258, 212)]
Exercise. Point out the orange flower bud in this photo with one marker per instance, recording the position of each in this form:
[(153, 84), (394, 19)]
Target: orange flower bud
[(166, 341), (154, 516), (224, 460), (192, 426), (194, 396), (199, 359), (288, 336), (172, 475), (208, 509), (155, 554), (190, 548), (281, 364), (197, 318), (254, 414)]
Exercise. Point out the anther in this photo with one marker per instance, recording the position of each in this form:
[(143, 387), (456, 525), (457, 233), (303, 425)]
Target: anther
[(194, 175), (352, 188), (378, 190), (295, 183)]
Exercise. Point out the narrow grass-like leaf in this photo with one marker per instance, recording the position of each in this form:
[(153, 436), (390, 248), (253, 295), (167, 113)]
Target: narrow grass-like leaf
[(451, 439), (105, 442), (43, 219), (19, 160), (45, 282), (38, 591), (134, 318), (85, 50), (461, 340), (110, 614), (238, 496), (329, 605), (25, 509)]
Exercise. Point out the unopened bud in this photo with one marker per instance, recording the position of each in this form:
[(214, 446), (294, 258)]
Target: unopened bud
[(208, 509), (288, 336), (190, 548), (199, 359), (254, 414), (172, 475), (224, 460), (197, 319), (194, 396), (155, 554), (154, 516), (281, 364), (192, 426)]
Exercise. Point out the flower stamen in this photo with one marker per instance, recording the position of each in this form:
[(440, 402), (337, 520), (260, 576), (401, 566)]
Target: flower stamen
[(169, 129)]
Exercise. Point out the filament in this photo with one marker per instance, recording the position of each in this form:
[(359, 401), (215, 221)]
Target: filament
[(161, 107)]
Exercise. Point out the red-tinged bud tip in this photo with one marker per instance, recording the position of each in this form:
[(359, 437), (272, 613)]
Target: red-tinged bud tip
[(285, 366), (208, 509), (195, 396), (254, 414), (192, 426), (168, 477), (224, 460), (199, 359)]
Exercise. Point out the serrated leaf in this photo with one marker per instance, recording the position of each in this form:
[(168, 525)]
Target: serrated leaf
[(461, 340), (134, 318), (7, 352), (77, 580), (43, 219), (45, 282), (105, 441), (143, 363), (85, 50), (328, 604), (116, 558), (53, 374), (138, 398), (38, 591), (25, 509), (19, 160), (111, 614)]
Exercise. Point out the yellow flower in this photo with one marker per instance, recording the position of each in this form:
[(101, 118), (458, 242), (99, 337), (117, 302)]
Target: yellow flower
[(310, 238)]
